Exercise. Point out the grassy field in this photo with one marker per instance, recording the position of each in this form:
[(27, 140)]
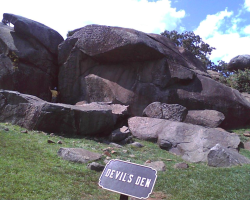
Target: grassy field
[(31, 169)]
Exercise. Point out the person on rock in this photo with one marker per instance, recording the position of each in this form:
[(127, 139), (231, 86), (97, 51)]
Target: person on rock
[(54, 94)]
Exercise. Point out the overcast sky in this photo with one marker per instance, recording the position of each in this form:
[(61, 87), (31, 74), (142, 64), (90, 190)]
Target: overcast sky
[(224, 24)]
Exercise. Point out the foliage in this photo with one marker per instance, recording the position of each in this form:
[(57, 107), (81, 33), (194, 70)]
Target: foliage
[(31, 169), (193, 43), (14, 58), (240, 80)]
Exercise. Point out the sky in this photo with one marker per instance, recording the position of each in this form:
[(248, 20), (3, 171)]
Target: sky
[(223, 24)]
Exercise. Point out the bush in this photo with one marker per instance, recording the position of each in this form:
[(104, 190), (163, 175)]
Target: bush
[(240, 80)]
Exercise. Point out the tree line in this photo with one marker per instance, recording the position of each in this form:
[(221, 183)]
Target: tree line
[(239, 80)]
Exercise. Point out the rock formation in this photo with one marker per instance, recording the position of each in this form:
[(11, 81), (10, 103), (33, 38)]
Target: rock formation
[(172, 112), (220, 156), (239, 62), (33, 113), (209, 118), (28, 56), (192, 142), (129, 67)]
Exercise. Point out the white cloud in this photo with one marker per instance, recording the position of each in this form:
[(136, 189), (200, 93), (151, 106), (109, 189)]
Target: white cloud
[(222, 32), (228, 46), (247, 5), (211, 24), (67, 15), (246, 30)]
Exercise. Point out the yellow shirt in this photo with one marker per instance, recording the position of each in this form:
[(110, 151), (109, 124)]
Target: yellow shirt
[(54, 93)]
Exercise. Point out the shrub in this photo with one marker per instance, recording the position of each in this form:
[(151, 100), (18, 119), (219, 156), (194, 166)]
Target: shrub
[(240, 80)]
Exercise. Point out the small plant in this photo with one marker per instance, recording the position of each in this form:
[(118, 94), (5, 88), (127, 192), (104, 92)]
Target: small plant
[(14, 58)]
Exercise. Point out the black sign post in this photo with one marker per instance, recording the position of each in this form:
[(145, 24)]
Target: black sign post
[(128, 179)]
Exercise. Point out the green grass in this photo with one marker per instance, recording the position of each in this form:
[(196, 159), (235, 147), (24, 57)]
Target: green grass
[(31, 169)]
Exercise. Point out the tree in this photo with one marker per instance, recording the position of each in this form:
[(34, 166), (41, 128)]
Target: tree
[(194, 44)]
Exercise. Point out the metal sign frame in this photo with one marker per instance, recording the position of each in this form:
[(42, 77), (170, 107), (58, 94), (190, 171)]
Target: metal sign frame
[(118, 175)]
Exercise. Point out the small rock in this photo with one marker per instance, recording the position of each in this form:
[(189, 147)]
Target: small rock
[(6, 129), (24, 131), (119, 134), (246, 134), (113, 152), (107, 153), (137, 144), (132, 156), (115, 145), (50, 141), (148, 161), (128, 140), (95, 166), (157, 165), (108, 158), (125, 151), (59, 142), (181, 165), (169, 159), (78, 155), (52, 134)]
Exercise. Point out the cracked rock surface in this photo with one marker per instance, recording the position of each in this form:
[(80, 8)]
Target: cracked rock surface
[(129, 67), (35, 114), (191, 142), (28, 56)]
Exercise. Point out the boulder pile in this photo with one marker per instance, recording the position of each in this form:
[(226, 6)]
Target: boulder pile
[(109, 77)]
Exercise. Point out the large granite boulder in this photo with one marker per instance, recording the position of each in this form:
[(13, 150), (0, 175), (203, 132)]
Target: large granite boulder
[(191, 142), (33, 113), (220, 156), (209, 118), (28, 56), (129, 67), (240, 62)]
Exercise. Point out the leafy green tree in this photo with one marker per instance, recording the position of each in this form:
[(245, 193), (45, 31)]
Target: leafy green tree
[(194, 44)]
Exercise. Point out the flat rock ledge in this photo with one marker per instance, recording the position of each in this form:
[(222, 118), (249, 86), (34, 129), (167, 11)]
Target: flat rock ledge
[(33, 113)]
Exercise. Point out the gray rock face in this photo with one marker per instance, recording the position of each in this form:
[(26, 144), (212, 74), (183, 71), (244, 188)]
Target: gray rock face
[(209, 118), (45, 35), (28, 56), (172, 112), (35, 114), (220, 156), (128, 67), (157, 165), (78, 155), (239, 62), (191, 142)]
